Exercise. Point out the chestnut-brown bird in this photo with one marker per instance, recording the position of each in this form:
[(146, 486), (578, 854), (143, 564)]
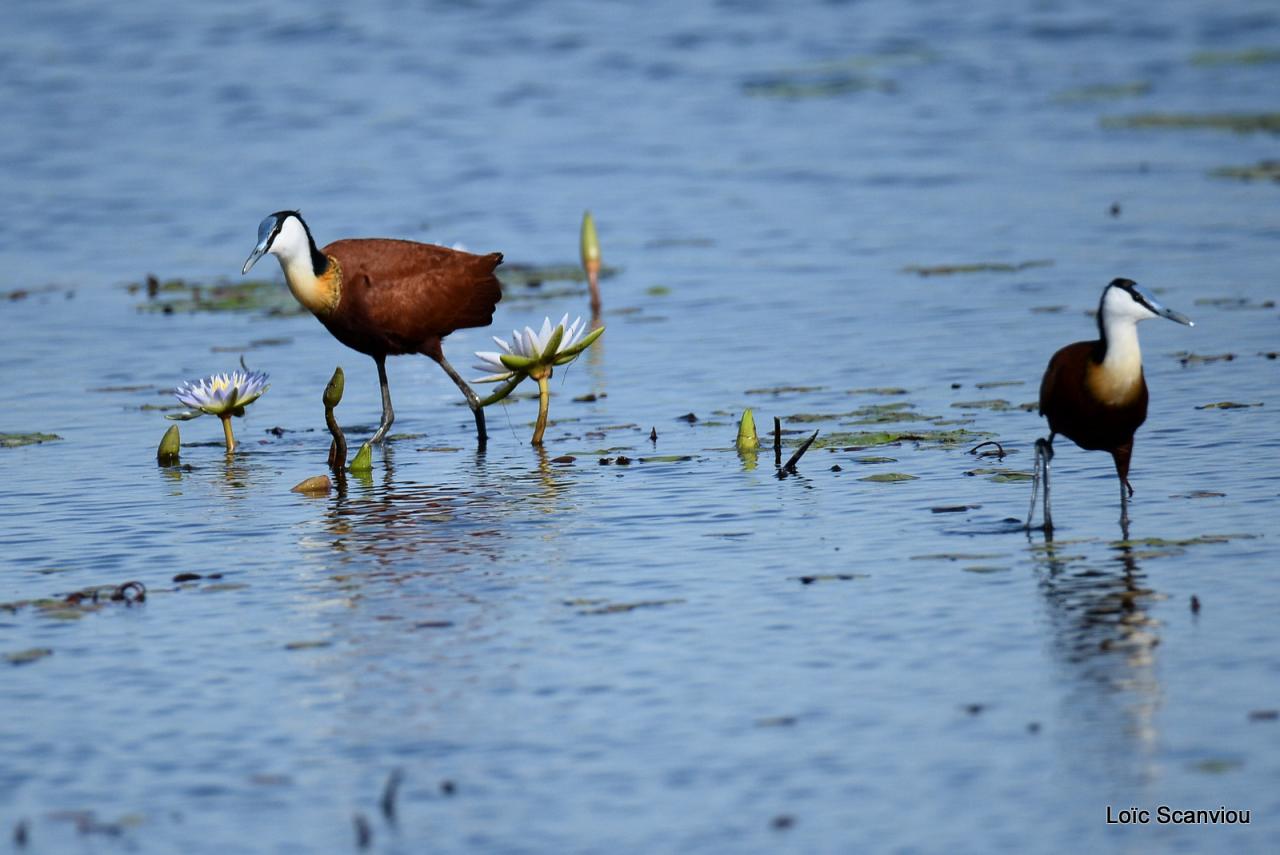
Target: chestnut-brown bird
[(385, 297), (1093, 392)]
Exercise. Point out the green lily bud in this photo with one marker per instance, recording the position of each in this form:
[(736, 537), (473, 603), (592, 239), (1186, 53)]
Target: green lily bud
[(333, 391), (747, 440), (170, 447), (590, 244), (363, 461)]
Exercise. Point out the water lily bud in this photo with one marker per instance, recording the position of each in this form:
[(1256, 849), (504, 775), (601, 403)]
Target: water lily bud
[(333, 392), (170, 447), (590, 244), (747, 438), (363, 461)]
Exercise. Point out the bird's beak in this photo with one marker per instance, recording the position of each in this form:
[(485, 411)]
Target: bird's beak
[(254, 256), (1172, 315)]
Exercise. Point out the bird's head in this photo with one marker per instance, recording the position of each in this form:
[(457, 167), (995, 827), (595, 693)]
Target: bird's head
[(286, 236), (1125, 299)]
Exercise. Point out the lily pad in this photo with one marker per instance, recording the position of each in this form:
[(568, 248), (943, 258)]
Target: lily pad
[(1104, 92), (17, 440), (1227, 405), (993, 384), (1240, 123), (26, 657), (853, 440), (998, 405), (534, 275), (253, 295), (1264, 170), (619, 608), (874, 459), (888, 477), (879, 390), (784, 390), (1248, 56), (978, 267)]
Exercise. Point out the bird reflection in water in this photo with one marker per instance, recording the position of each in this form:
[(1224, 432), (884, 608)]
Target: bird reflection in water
[(1105, 635)]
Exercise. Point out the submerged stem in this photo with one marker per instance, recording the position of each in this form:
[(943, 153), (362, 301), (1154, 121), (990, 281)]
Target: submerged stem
[(544, 403), (226, 431)]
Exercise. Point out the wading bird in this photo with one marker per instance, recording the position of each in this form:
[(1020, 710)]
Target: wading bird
[(1093, 392), (385, 297)]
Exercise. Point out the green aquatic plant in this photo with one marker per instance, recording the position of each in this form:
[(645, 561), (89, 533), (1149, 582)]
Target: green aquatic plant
[(331, 398), (534, 354), (979, 267), (1248, 56), (170, 447), (221, 395), (748, 439), (589, 246)]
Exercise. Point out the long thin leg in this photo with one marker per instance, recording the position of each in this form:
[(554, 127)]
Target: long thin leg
[(388, 414), (1039, 472), (1035, 485), (472, 400), (1047, 454), (1121, 455)]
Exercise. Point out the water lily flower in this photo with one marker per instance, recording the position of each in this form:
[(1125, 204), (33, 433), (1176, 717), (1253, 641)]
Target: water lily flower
[(221, 395), (534, 354)]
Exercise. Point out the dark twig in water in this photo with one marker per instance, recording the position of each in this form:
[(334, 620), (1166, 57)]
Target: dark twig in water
[(388, 801), (20, 834), (998, 453), (795, 458), (777, 441), (364, 833), (653, 435), (130, 592)]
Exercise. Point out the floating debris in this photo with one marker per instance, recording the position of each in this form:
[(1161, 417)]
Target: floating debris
[(1263, 170), (1002, 475), (1235, 303), (888, 477), (1240, 123), (1048, 310), (790, 465), (1195, 604), (388, 801), (993, 384), (17, 440), (979, 267), (687, 417), (1227, 405), (874, 459), (953, 509), (1264, 715), (1198, 494), (958, 556)]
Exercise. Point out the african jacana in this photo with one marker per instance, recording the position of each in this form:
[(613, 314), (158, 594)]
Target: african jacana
[(1093, 392), (384, 297)]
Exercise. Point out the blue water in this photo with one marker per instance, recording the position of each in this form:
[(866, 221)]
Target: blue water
[(575, 657)]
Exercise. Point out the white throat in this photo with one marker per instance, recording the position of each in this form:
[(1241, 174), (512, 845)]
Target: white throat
[(1124, 355), (293, 250)]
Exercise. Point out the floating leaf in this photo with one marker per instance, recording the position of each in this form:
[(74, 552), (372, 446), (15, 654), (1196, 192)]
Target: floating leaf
[(1104, 92), (784, 390), (619, 608), (26, 657), (888, 477), (868, 460), (307, 645), (1227, 405), (1248, 56), (17, 440), (1265, 170), (1240, 123), (998, 405), (979, 267)]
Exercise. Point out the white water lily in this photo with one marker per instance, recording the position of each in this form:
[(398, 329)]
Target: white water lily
[(529, 350), (534, 354), (222, 395)]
